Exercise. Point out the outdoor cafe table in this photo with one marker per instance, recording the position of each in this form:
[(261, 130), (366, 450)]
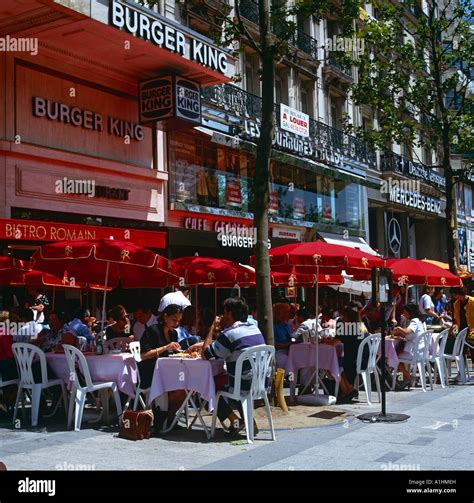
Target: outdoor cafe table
[(118, 368), (304, 355), (189, 374)]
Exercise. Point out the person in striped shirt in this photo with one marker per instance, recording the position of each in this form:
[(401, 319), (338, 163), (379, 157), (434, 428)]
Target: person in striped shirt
[(229, 335)]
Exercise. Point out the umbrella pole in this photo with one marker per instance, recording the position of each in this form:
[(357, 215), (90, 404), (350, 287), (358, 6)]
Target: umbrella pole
[(316, 391), (215, 301), (102, 322), (54, 297)]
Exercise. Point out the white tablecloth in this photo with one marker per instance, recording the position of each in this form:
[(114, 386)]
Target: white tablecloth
[(391, 352), (304, 355), (181, 373), (118, 368)]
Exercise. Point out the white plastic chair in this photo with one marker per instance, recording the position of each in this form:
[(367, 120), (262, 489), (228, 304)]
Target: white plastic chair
[(420, 359), (79, 392), (458, 356), (436, 357), (260, 359), (115, 344), (466, 363), (373, 343), (135, 350), (25, 354)]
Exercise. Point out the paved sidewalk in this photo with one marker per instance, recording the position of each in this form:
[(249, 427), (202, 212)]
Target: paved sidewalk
[(438, 436)]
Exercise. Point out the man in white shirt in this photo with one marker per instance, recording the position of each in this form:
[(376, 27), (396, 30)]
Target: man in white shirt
[(415, 328), (426, 306), (143, 318), (180, 298)]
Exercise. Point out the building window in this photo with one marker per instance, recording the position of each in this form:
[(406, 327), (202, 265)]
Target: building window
[(208, 177)]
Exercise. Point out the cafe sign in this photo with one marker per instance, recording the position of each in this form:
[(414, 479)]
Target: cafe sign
[(172, 100)]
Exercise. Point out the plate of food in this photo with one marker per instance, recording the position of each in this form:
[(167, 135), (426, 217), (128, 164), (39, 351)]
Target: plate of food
[(188, 356)]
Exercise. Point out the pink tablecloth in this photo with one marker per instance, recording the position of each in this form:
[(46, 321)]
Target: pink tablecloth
[(304, 355), (119, 368), (391, 352), (180, 373)]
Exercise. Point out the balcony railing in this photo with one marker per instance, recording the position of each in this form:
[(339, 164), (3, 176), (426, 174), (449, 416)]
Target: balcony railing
[(306, 43), (395, 163), (344, 68), (238, 102), (249, 10)]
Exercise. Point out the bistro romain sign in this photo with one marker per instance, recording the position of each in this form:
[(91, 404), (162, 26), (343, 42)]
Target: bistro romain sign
[(156, 29)]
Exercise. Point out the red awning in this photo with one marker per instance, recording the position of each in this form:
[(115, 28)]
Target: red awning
[(34, 230)]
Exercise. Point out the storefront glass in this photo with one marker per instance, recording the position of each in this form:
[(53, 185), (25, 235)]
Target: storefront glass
[(220, 180)]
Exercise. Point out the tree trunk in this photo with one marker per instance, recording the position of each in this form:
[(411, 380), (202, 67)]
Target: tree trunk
[(262, 169)]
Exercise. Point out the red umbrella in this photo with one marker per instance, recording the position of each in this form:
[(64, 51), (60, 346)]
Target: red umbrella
[(323, 257), (10, 267), (410, 271), (213, 272), (298, 279), (106, 261), (39, 279)]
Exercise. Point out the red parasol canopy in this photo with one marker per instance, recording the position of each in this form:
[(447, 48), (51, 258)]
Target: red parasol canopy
[(410, 271), (329, 258), (106, 261), (209, 271)]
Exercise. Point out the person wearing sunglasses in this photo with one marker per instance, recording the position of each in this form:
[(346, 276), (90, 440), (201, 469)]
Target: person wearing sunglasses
[(119, 325)]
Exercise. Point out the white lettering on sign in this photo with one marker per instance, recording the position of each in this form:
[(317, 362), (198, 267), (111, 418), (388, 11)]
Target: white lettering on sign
[(293, 121), (86, 119), (287, 234), (414, 200), (155, 28)]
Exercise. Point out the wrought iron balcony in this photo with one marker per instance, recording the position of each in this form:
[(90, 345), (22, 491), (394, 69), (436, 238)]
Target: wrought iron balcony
[(249, 10), (234, 100), (341, 67), (306, 43), (241, 104)]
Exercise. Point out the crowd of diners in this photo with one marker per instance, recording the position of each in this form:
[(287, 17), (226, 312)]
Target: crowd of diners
[(176, 325)]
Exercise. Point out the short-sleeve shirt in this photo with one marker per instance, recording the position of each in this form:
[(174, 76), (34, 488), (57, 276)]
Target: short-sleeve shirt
[(42, 299), (425, 303), (417, 328), (229, 346)]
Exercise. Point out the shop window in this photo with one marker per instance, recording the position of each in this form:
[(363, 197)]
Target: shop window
[(220, 180)]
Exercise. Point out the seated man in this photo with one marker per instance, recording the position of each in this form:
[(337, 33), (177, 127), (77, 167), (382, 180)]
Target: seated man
[(81, 324), (281, 333), (48, 339), (144, 318), (234, 334)]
